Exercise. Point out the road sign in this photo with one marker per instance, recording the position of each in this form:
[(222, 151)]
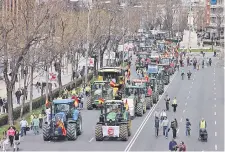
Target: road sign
[(91, 62), (110, 131)]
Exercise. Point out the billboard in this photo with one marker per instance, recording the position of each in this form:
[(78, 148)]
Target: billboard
[(213, 2)]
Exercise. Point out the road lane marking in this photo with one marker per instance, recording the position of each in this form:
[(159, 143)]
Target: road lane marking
[(214, 92), (215, 105), (91, 140), (181, 119), (214, 88), (134, 138), (215, 122), (178, 131), (192, 82), (189, 91), (214, 98), (214, 84), (215, 133), (183, 111), (215, 113), (185, 103), (215, 147)]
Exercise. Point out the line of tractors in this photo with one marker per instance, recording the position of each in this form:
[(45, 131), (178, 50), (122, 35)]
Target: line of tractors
[(119, 102)]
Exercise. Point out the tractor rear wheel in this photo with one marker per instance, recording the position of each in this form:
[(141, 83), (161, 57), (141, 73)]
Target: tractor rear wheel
[(98, 132), (148, 103), (161, 89), (79, 126), (154, 97), (89, 104), (167, 79), (71, 131), (140, 109), (46, 132), (124, 132)]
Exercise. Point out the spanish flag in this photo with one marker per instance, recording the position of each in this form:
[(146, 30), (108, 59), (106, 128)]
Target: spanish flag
[(146, 78), (76, 102), (112, 84), (126, 105), (47, 102), (101, 101)]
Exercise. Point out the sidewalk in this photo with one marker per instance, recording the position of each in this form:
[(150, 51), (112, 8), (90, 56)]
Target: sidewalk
[(66, 78)]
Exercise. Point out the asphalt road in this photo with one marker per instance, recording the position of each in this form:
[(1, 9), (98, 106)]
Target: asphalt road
[(200, 102), (201, 97)]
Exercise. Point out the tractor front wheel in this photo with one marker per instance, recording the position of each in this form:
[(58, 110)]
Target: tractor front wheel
[(140, 110), (124, 132), (72, 131), (46, 132), (89, 104), (98, 132)]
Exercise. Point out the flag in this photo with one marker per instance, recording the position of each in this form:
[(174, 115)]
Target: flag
[(47, 102), (146, 78), (76, 102), (112, 84), (126, 105), (101, 101)]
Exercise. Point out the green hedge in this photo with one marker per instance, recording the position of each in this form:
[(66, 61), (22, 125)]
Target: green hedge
[(40, 101)]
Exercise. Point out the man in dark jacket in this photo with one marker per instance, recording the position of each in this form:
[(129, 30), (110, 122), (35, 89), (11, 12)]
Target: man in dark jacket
[(18, 95), (156, 126)]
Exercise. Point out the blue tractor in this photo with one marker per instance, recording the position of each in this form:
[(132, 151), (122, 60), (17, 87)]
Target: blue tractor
[(65, 121)]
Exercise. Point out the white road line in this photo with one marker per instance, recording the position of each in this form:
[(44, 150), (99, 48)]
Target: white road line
[(185, 103), (215, 105), (215, 133), (215, 122), (183, 111), (214, 88), (181, 119), (215, 147), (192, 82), (215, 113), (214, 98), (132, 141), (214, 73), (178, 131), (214, 92), (189, 91), (91, 140), (214, 84)]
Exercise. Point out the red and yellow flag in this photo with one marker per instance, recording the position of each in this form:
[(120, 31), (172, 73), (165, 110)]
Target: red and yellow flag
[(46, 102), (101, 101), (112, 84), (76, 102), (126, 105)]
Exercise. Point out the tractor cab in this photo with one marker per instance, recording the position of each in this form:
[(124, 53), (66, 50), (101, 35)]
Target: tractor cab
[(141, 82), (142, 58), (132, 90), (153, 70), (114, 121), (154, 84), (154, 58)]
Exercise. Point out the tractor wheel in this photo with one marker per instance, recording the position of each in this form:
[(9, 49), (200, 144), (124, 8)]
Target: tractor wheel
[(71, 131), (89, 104), (129, 128), (167, 80), (157, 96), (140, 109), (154, 97), (46, 132), (79, 126), (98, 132), (148, 103), (151, 101), (124, 132), (161, 89)]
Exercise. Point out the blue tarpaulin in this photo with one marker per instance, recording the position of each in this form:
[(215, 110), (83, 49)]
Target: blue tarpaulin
[(213, 2), (152, 69)]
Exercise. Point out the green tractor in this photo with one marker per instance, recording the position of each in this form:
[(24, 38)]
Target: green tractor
[(164, 75), (99, 90), (135, 96), (114, 121), (153, 72), (146, 84), (65, 122), (155, 90)]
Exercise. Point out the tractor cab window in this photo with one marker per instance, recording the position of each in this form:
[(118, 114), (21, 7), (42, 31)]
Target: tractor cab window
[(165, 61), (62, 108), (97, 94), (96, 86), (113, 108), (130, 91), (109, 76)]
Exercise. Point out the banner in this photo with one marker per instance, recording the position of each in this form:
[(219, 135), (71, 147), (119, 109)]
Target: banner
[(152, 69), (111, 131), (213, 2), (91, 62)]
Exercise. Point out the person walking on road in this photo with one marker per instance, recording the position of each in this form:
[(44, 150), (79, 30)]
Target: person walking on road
[(157, 113), (36, 124), (16, 140), (23, 127), (11, 134), (156, 126), (165, 125), (174, 126), (40, 117), (188, 127), (162, 115), (167, 100), (174, 105)]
